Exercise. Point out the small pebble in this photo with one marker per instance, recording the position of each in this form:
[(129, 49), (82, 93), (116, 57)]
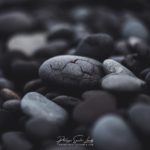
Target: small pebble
[(111, 66), (122, 83)]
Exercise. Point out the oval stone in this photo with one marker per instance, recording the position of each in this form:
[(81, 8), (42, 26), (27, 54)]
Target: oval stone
[(112, 66), (71, 72), (122, 83), (37, 106), (112, 133)]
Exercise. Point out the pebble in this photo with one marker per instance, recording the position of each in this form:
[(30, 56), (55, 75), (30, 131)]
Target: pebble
[(7, 94), (16, 141), (12, 105), (139, 117), (28, 70), (61, 31), (134, 28), (27, 43), (142, 98), (51, 49), (96, 104), (97, 46), (111, 66), (14, 22), (112, 132), (37, 106), (33, 85), (41, 129), (71, 72), (122, 83), (4, 83), (67, 102)]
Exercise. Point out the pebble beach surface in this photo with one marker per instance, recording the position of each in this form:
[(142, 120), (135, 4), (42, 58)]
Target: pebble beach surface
[(74, 75)]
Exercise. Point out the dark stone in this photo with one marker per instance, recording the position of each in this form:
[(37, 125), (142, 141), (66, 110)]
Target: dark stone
[(61, 31), (40, 129), (12, 105), (144, 73), (16, 141), (28, 70), (4, 83), (139, 117), (52, 49), (7, 94), (13, 22), (97, 46), (67, 102), (33, 85), (95, 105)]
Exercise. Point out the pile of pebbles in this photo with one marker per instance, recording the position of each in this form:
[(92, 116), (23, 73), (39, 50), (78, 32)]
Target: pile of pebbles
[(74, 75)]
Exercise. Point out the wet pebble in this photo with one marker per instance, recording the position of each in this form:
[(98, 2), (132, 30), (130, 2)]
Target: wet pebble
[(37, 106)]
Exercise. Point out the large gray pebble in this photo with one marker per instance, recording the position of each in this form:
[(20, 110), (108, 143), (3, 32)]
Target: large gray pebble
[(122, 83), (37, 106), (112, 133), (71, 72), (112, 66)]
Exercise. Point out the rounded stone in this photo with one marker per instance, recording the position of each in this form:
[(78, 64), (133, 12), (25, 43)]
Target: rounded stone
[(134, 28), (16, 141), (40, 129), (37, 106), (95, 105), (112, 66), (112, 132), (12, 105), (71, 72), (122, 83), (15, 21), (139, 116), (97, 46)]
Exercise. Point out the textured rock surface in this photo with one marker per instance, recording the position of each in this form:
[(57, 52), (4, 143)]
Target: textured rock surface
[(71, 72)]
